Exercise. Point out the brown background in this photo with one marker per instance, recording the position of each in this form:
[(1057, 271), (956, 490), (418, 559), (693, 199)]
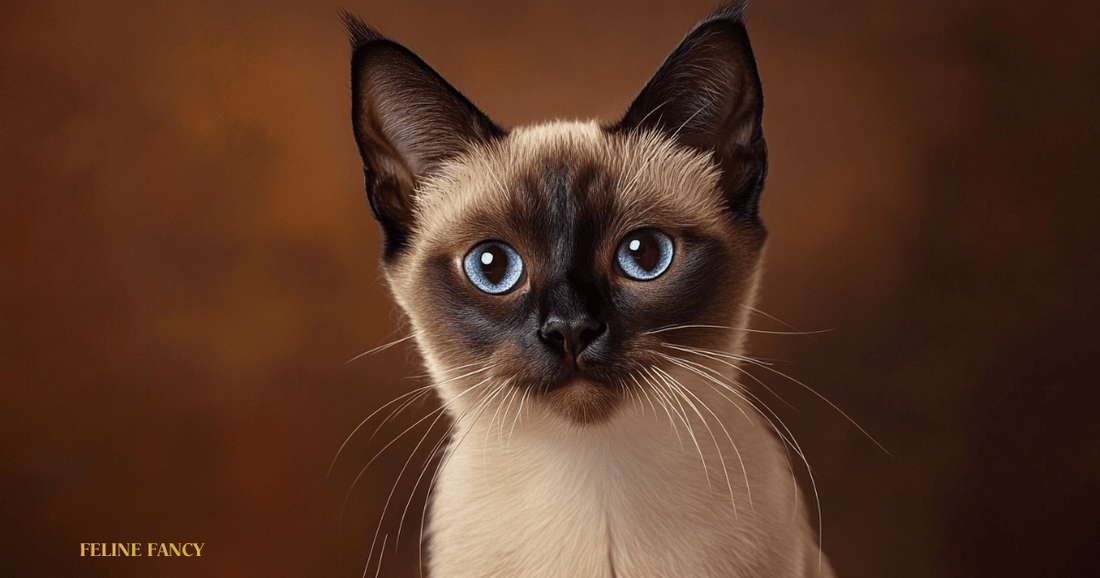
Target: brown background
[(188, 261)]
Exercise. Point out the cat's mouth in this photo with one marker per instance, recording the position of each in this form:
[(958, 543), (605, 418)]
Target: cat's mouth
[(583, 401)]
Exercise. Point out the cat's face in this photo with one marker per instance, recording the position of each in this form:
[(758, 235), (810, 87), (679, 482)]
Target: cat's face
[(561, 261), (551, 257)]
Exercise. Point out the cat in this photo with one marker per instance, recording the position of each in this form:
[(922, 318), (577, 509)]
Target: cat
[(579, 294)]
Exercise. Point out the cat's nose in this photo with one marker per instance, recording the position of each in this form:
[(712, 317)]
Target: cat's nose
[(572, 334)]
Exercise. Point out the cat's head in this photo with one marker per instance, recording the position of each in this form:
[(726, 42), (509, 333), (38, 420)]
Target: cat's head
[(567, 260)]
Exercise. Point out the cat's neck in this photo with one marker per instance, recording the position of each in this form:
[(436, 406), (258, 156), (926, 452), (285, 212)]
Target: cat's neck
[(702, 479)]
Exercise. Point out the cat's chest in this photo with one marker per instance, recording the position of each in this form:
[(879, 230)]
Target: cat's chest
[(625, 503)]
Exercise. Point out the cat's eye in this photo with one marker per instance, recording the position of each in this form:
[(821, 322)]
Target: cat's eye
[(493, 267), (644, 254)]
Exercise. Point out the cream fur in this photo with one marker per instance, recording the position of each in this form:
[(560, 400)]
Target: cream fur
[(548, 499)]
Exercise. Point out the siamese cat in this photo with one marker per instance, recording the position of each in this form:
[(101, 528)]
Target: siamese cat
[(579, 293)]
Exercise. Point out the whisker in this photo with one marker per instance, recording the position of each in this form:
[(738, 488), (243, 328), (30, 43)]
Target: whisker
[(788, 439), (691, 430), (401, 473), (381, 553), (806, 387), (515, 392), (646, 394), (449, 370), (519, 411), (418, 392), (664, 406), (435, 450), (731, 328), (443, 464), (399, 409), (776, 319), (497, 390), (355, 482), (721, 458), (716, 378), (718, 355), (433, 386), (381, 347), (464, 375), (440, 411), (692, 366)]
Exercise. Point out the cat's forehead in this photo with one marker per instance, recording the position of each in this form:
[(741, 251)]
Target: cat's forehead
[(634, 178)]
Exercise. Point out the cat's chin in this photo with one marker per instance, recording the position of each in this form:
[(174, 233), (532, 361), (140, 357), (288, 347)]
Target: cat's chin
[(584, 402)]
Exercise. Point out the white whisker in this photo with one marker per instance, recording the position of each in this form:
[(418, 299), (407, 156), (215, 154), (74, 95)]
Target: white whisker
[(687, 424), (784, 375), (381, 553), (519, 411), (418, 392), (731, 328), (788, 439), (381, 347), (795, 330), (440, 412), (721, 458), (664, 406), (480, 408)]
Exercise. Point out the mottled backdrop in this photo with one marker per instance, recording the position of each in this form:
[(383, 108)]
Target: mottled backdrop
[(187, 261)]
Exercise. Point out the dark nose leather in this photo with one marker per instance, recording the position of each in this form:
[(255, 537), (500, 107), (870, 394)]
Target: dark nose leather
[(571, 334)]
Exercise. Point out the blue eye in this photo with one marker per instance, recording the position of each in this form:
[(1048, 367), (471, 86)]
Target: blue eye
[(493, 267), (644, 254)]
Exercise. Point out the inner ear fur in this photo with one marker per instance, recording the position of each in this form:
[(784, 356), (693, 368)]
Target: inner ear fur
[(407, 120), (707, 96)]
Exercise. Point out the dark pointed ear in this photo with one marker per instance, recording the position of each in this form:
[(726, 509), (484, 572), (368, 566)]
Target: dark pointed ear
[(407, 121), (707, 96)]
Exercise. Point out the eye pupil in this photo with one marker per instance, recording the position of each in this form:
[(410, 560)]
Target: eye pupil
[(645, 252), (491, 267)]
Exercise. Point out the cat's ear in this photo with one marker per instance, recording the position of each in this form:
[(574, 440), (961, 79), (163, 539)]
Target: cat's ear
[(707, 96), (407, 121)]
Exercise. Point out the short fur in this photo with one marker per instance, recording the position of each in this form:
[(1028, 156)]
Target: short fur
[(600, 428)]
